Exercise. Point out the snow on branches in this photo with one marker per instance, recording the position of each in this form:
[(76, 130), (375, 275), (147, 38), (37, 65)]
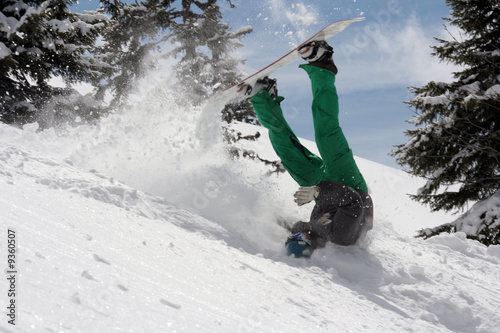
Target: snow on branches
[(458, 123), (456, 143)]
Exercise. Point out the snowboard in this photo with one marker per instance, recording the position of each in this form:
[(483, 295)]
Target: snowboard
[(208, 125), (233, 92)]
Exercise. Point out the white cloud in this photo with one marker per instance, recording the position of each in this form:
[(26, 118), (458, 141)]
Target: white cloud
[(391, 55)]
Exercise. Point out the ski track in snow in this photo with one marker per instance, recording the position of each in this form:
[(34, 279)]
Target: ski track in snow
[(130, 226)]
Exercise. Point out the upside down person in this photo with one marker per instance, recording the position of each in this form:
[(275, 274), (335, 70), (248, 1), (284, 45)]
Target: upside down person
[(343, 212)]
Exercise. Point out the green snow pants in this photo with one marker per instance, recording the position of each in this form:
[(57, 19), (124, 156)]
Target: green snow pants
[(337, 162)]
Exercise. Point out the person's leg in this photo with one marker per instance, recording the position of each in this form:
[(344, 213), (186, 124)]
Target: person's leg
[(305, 167), (332, 144)]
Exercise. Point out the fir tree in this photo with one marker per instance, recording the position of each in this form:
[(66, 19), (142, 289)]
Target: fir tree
[(481, 223), (39, 40), (198, 29), (456, 146), (137, 31)]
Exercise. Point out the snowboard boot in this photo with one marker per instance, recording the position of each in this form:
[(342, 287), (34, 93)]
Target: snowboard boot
[(262, 84), (318, 54)]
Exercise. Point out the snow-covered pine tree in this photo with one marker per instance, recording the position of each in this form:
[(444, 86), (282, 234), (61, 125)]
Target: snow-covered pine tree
[(192, 70), (40, 39), (206, 66), (138, 29), (458, 139), (456, 145), (224, 68), (205, 45), (481, 222)]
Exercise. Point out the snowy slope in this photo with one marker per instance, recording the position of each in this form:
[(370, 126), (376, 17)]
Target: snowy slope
[(135, 226)]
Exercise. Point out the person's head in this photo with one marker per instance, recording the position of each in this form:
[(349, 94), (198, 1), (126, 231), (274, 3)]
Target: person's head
[(299, 246)]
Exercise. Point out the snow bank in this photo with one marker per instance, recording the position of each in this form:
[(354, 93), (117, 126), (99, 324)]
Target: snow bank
[(487, 211), (98, 250), (137, 225), (479, 222)]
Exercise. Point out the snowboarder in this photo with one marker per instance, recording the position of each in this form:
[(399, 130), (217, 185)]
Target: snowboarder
[(344, 211)]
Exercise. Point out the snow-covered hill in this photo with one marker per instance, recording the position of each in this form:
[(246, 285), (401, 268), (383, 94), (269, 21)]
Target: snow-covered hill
[(134, 225)]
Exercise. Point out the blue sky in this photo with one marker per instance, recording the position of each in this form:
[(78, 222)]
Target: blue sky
[(378, 59)]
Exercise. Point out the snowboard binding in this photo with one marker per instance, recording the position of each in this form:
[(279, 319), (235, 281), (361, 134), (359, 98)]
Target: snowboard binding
[(318, 54), (262, 84)]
